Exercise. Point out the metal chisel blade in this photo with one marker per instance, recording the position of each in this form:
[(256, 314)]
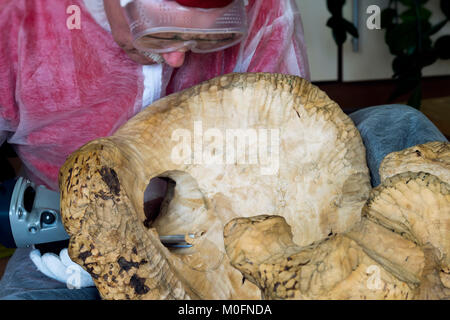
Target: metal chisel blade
[(176, 241)]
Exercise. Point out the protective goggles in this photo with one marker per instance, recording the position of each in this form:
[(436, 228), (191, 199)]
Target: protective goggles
[(161, 26)]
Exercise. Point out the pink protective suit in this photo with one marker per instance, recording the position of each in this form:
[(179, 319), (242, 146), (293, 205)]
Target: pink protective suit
[(60, 88)]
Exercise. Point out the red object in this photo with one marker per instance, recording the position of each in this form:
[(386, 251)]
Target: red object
[(205, 4)]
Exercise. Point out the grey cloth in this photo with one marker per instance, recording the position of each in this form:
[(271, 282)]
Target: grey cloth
[(23, 281), (384, 129)]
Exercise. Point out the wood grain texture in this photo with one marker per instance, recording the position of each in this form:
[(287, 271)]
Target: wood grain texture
[(399, 250), (431, 157), (321, 185)]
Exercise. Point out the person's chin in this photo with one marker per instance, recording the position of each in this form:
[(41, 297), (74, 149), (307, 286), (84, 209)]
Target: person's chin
[(174, 59)]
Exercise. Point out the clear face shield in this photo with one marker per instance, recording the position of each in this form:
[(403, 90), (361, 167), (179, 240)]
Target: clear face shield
[(162, 26)]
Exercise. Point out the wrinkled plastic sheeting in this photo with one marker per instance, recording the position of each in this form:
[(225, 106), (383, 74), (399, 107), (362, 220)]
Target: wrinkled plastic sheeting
[(275, 43), (61, 88)]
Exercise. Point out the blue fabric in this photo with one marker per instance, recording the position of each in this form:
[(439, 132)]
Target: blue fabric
[(388, 128), (384, 129)]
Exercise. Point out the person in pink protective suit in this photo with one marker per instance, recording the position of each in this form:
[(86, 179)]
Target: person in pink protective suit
[(61, 87), (65, 82)]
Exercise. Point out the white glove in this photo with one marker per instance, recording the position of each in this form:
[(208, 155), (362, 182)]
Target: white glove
[(62, 269)]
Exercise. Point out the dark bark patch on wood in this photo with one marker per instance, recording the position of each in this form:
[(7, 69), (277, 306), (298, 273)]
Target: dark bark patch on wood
[(103, 195), (91, 272), (127, 265), (138, 285), (84, 255), (275, 287), (68, 179), (109, 176)]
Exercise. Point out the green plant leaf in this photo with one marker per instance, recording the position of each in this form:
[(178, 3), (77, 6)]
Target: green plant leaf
[(339, 31), (445, 7), (436, 28), (334, 23), (427, 57), (335, 7), (402, 38), (427, 43), (387, 17), (410, 3), (340, 36), (411, 15), (350, 28), (403, 65), (426, 27), (442, 47)]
